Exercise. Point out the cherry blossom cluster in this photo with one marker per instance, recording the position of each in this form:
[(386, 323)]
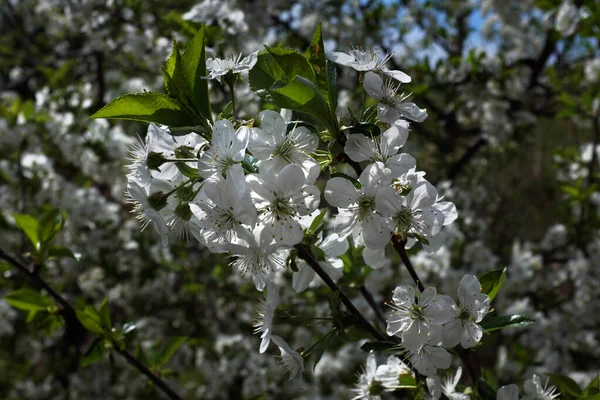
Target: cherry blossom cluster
[(251, 192)]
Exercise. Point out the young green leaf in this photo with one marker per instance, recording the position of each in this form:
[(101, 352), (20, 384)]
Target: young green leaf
[(29, 225), (104, 312), (147, 107), (292, 63), (492, 281), (378, 346), (94, 353), (50, 224), (302, 95), (58, 251), (265, 73), (325, 72), (89, 318), (169, 349), (194, 71), (506, 321), (317, 221), (28, 300), (567, 386)]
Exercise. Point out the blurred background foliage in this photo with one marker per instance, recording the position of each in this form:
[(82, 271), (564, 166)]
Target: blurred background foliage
[(511, 88)]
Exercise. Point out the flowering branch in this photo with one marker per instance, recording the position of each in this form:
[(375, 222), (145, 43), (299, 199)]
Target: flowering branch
[(71, 319), (305, 254)]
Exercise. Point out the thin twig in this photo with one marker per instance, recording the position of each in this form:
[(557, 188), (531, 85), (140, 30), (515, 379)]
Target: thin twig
[(71, 317), (466, 357), (305, 254)]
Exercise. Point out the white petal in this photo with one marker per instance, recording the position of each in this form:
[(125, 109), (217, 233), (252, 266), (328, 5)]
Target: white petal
[(509, 392), (222, 134), (288, 231), (261, 144), (239, 142), (374, 177), (468, 288), (404, 295), (423, 364), (341, 58), (400, 164), (387, 113), (449, 210), (273, 123), (412, 112), (334, 267), (397, 75), (340, 192), (290, 180), (394, 137), (333, 245), (302, 278), (373, 85), (415, 337), (376, 232), (423, 195), (452, 333), (472, 334), (440, 358), (374, 258), (388, 202), (359, 147), (344, 222)]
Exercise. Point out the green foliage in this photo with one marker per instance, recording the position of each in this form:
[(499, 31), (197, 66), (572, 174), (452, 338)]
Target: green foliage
[(42, 232), (300, 82), (29, 300), (148, 107), (567, 386), (492, 281), (491, 324), (194, 72)]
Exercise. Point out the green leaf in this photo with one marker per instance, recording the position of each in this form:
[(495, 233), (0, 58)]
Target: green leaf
[(147, 107), (58, 251), (335, 303), (322, 346), (94, 353), (325, 72), (593, 388), (292, 63), (265, 73), (506, 321), (492, 281), (29, 225), (567, 386), (486, 391), (170, 348), (50, 224), (90, 319), (194, 71), (28, 300), (317, 221), (379, 346), (302, 95), (104, 312), (175, 83), (187, 171)]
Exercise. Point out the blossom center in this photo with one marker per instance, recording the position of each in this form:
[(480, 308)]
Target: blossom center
[(404, 218), (366, 206), (285, 149)]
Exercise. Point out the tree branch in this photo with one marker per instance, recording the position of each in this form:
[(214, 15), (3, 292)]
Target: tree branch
[(305, 254), (71, 318)]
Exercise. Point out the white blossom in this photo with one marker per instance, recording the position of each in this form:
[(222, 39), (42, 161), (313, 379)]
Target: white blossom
[(368, 59), (414, 320), (266, 313), (357, 206), (292, 360), (275, 147), (391, 104), (227, 148), (474, 305), (219, 67)]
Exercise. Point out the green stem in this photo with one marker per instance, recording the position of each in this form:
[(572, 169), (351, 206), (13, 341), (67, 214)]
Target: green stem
[(231, 89), (307, 351)]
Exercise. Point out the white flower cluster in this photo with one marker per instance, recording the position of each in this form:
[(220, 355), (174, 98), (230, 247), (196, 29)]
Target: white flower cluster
[(251, 192), (430, 323)]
